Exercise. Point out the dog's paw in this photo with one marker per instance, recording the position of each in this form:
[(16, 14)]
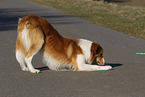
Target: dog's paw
[(25, 69), (106, 67), (35, 71)]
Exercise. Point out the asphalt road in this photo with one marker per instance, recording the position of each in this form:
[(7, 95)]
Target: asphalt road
[(127, 79)]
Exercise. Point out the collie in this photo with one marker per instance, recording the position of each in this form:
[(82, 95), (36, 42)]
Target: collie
[(59, 53)]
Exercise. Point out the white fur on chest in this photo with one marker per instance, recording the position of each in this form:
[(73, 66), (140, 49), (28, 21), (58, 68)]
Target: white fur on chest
[(53, 64), (86, 48)]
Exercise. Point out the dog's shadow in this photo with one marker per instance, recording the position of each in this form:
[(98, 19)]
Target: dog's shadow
[(43, 68), (114, 64)]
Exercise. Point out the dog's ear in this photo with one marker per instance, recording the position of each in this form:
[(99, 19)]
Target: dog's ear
[(96, 51)]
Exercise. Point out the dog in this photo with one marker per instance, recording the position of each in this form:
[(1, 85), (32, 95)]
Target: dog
[(35, 33)]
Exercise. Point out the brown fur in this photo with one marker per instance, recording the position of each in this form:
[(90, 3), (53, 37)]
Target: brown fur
[(96, 53), (43, 36)]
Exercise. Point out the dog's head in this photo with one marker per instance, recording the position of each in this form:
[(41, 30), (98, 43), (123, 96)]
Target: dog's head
[(97, 54)]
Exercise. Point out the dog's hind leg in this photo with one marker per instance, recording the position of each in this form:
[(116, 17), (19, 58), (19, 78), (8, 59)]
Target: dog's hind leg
[(21, 59), (32, 51), (36, 43)]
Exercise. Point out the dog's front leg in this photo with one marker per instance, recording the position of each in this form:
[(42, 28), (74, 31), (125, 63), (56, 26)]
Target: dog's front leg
[(82, 66)]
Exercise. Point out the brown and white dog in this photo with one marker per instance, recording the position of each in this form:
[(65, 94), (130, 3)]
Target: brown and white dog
[(59, 52)]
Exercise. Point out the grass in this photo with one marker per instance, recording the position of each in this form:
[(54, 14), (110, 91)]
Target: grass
[(125, 19), (137, 3)]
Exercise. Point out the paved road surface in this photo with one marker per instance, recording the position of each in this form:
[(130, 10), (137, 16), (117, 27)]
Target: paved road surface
[(127, 79)]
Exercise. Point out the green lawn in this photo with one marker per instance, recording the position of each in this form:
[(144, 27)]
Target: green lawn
[(125, 19)]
